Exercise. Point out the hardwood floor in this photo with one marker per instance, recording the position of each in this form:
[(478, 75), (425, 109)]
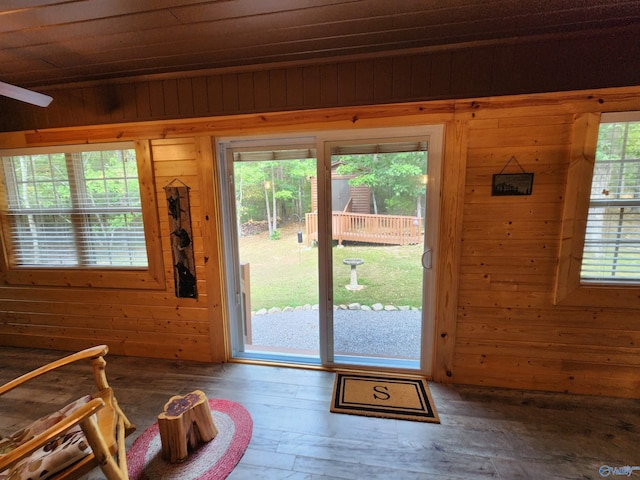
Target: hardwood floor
[(484, 432)]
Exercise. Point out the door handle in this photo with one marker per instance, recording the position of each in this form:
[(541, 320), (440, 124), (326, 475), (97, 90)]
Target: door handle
[(426, 259)]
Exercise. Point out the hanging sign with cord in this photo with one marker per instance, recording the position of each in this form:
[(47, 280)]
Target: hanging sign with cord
[(512, 183)]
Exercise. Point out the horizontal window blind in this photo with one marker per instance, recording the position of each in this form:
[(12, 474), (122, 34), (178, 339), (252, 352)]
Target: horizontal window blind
[(612, 250), (267, 155), (75, 208), (54, 240), (612, 240), (368, 149)]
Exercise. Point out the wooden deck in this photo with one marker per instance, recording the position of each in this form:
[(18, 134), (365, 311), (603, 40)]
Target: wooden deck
[(369, 228)]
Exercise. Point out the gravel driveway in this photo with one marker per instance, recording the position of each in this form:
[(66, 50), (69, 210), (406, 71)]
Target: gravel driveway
[(388, 334)]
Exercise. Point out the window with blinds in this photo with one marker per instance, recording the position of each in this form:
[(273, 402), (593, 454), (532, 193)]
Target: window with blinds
[(612, 240), (79, 207)]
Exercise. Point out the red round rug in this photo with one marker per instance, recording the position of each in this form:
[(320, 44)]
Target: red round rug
[(213, 460)]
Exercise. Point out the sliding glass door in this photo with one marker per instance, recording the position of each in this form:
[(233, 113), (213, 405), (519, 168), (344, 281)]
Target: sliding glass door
[(378, 206), (330, 247), (276, 300)]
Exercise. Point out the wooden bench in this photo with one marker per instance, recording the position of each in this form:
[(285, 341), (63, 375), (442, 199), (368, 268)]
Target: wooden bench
[(185, 424)]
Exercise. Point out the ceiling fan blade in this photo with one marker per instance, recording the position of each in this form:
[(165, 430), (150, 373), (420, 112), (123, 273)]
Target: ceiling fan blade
[(28, 96)]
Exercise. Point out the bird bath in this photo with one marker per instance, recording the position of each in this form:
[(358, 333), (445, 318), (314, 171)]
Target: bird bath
[(353, 262)]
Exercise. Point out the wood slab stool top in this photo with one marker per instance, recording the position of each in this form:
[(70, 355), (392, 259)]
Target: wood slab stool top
[(184, 424)]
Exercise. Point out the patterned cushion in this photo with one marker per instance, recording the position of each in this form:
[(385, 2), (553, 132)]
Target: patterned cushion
[(52, 457)]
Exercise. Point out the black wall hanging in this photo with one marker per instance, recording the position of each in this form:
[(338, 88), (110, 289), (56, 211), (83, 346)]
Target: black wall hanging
[(184, 267), (512, 183)]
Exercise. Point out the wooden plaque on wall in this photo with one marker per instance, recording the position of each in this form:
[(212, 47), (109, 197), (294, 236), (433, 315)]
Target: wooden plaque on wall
[(184, 268)]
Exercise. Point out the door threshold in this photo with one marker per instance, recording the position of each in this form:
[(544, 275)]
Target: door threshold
[(340, 362), (277, 358), (344, 361)]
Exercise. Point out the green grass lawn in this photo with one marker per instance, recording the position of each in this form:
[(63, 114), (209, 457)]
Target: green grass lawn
[(286, 274)]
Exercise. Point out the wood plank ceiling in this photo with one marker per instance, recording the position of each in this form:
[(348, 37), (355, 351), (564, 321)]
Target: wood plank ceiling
[(53, 42)]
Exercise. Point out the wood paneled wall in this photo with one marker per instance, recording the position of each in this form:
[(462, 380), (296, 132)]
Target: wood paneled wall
[(131, 321), (585, 60), (496, 321), (507, 324)]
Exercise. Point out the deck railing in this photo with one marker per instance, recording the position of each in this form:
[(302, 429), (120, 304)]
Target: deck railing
[(369, 228)]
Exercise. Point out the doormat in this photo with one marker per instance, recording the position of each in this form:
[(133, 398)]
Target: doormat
[(382, 395)]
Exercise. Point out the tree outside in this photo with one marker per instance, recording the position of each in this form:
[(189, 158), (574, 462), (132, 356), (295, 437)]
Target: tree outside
[(276, 195)]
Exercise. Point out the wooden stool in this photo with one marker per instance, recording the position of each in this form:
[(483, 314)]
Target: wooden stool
[(184, 424)]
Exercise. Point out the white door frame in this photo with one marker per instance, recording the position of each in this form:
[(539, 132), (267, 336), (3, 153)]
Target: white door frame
[(433, 133)]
